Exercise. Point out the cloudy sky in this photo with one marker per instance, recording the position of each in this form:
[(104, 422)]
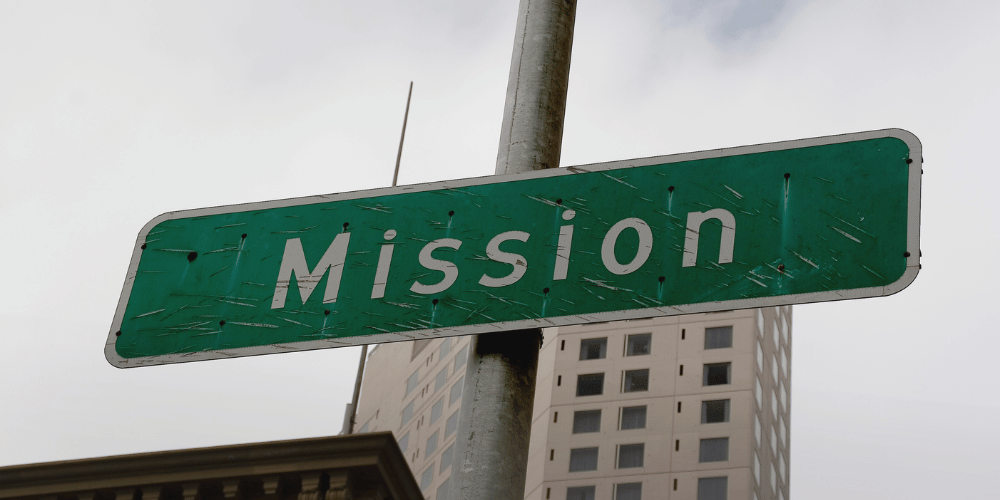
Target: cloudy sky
[(112, 113)]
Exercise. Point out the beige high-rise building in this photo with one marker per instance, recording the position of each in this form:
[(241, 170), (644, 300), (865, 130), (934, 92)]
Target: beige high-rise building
[(689, 407)]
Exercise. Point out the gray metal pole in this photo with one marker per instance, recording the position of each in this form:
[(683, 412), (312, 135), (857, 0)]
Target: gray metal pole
[(491, 454)]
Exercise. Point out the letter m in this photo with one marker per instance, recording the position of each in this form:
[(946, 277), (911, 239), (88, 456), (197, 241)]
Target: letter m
[(294, 263)]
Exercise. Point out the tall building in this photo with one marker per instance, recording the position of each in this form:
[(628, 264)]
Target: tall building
[(685, 407)]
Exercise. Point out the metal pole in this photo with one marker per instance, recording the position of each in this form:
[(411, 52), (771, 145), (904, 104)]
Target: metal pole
[(491, 455), (402, 134), (357, 391), (353, 409)]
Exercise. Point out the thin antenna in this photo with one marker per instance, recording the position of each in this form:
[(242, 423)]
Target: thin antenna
[(353, 409), (399, 155)]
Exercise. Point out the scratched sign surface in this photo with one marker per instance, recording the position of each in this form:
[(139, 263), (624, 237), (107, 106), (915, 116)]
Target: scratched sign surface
[(801, 221)]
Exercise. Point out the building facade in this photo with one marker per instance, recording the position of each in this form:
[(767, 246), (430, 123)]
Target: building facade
[(684, 407)]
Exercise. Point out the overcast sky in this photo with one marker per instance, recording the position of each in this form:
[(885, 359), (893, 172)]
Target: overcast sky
[(112, 113)]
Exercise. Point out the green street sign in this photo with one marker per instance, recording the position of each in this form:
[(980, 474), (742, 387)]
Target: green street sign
[(802, 221)]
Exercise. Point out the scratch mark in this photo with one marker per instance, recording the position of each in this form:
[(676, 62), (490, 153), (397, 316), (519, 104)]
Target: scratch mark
[(237, 303), (295, 231), (618, 180), (403, 305), (603, 284), (219, 271), (848, 223), (377, 208), (225, 249), (738, 195), (293, 321), (541, 200), (149, 313), (258, 325), (807, 261), (844, 233), (873, 272)]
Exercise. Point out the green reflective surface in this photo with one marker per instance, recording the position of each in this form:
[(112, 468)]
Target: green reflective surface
[(837, 222)]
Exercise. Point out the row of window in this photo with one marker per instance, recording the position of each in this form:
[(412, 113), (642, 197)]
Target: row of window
[(629, 456), (440, 381), (450, 426), (634, 417), (709, 488), (442, 377), (592, 384), (640, 344), (427, 477)]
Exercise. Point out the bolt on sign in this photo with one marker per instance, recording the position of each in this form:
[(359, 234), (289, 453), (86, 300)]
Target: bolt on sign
[(792, 222)]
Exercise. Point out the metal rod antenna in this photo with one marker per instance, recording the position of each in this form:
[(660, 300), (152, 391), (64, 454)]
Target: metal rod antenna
[(491, 451), (402, 135), (352, 419)]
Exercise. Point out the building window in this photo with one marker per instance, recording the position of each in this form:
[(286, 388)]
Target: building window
[(441, 379), (418, 346), (716, 411), (404, 442), (586, 421), (582, 459), (781, 429), (719, 337), (756, 428), (714, 450), (432, 444), (638, 344), (758, 394), (713, 488), (633, 417), (407, 413), (444, 490), (364, 428), (411, 383), (760, 358), (760, 322), (593, 348), (437, 410), (461, 358), (451, 425), (717, 373), (756, 468), (446, 457), (456, 391), (590, 384), (581, 493), (774, 442), (628, 491), (631, 455), (635, 381), (427, 478), (445, 348), (783, 395)]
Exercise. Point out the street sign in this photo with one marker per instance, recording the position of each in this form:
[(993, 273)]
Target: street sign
[(802, 221)]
